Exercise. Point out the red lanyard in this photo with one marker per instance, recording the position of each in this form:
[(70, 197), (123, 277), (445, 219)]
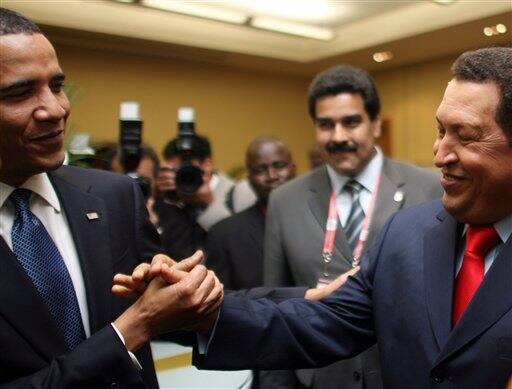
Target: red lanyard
[(332, 224)]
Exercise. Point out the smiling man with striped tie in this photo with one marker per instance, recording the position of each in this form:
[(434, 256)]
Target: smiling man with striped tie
[(318, 225)]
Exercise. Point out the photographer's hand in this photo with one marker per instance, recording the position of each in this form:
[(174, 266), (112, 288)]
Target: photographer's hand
[(166, 179)]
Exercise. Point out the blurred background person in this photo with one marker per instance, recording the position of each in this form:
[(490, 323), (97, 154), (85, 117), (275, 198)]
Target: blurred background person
[(147, 171), (319, 224), (184, 219), (234, 248), (316, 157)]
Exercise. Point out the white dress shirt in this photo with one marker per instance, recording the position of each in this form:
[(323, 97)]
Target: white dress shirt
[(368, 178), (45, 204)]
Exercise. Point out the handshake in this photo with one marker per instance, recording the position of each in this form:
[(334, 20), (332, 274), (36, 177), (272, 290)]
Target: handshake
[(170, 296)]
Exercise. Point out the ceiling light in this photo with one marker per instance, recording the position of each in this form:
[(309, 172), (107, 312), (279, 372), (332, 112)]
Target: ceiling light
[(298, 29), (488, 31), (501, 28), (444, 2), (495, 30), (382, 56), (191, 9)]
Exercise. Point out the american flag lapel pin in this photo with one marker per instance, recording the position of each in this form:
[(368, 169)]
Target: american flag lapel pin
[(92, 216)]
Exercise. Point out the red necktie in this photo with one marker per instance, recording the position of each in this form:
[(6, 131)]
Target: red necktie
[(479, 241)]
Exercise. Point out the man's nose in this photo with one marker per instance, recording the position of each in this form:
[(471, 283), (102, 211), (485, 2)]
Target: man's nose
[(51, 107), (339, 134), (444, 153)]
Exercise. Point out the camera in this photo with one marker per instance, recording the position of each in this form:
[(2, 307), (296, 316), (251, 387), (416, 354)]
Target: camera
[(188, 177), (130, 139)]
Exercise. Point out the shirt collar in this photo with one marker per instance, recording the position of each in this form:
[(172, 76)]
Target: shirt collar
[(367, 177), (214, 181), (502, 227), (40, 184)]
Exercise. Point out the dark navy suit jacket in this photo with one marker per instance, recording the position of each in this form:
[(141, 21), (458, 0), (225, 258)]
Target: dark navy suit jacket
[(402, 299), (33, 353)]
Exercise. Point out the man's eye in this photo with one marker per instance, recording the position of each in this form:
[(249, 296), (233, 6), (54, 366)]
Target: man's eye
[(352, 122), (325, 124), (279, 165), (18, 94), (57, 87)]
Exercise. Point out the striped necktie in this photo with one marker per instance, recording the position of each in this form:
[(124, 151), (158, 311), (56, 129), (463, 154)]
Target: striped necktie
[(41, 259), (356, 215)]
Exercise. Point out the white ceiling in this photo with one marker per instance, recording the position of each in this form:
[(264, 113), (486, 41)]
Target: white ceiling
[(358, 24)]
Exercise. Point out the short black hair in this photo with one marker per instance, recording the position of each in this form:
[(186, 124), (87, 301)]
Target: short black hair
[(492, 64), (344, 79), (254, 147), (13, 23), (201, 148)]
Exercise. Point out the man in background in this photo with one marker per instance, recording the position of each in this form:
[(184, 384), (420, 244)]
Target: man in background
[(234, 246), (147, 171), (318, 225), (186, 218)]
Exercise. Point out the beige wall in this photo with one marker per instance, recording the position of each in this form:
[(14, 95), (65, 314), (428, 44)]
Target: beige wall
[(232, 106), (410, 96)]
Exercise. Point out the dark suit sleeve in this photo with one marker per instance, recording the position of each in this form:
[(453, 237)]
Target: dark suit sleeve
[(260, 334), (218, 258), (99, 361)]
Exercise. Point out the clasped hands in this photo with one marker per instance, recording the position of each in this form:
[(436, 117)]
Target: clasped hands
[(167, 296), (170, 296)]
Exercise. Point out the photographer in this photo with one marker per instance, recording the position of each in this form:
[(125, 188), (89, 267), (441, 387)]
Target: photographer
[(148, 169), (185, 217)]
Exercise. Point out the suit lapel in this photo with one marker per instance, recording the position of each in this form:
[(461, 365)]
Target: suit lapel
[(91, 242), (318, 201), (439, 247), (487, 306), (22, 306), (390, 183)]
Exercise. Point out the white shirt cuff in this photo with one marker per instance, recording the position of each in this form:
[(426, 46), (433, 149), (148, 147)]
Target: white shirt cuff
[(134, 359)]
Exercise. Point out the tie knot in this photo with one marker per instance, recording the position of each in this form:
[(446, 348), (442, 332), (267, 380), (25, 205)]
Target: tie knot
[(352, 187), (20, 199), (481, 239)]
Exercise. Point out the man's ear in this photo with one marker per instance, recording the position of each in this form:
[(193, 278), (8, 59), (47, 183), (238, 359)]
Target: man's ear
[(376, 127)]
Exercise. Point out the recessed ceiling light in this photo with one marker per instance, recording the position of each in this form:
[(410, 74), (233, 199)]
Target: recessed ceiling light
[(501, 28), (488, 31), (495, 30), (382, 56)]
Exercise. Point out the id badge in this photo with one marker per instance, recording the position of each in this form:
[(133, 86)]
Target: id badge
[(323, 282)]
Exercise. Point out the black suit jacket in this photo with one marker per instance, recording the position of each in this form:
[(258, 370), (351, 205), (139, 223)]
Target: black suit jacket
[(234, 249), (32, 351)]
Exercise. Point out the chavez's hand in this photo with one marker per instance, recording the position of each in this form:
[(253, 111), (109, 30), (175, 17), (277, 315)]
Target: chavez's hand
[(320, 293), (176, 300)]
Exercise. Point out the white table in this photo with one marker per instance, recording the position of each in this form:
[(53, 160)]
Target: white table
[(174, 370)]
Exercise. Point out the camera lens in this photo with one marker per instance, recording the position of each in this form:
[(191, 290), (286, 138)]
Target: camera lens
[(189, 178)]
